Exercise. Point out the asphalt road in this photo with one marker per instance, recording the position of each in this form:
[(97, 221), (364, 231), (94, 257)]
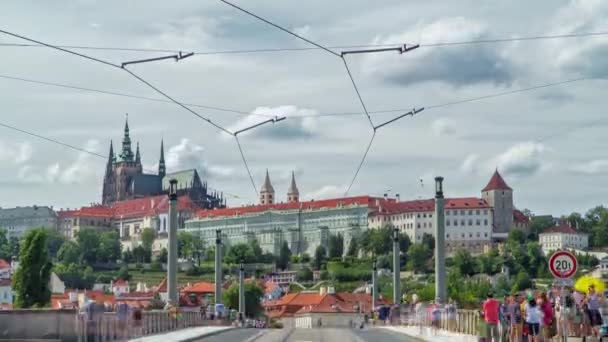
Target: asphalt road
[(310, 335)]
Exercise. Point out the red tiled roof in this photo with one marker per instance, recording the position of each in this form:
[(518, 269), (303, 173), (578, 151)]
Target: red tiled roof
[(563, 228), (200, 287), (135, 296), (306, 302), (96, 211), (147, 206), (520, 217), (392, 207), (4, 264), (496, 183), (308, 205), (62, 214)]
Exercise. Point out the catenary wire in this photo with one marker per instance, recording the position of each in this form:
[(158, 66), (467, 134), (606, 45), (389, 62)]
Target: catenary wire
[(270, 50), (369, 118), (238, 143), (129, 95), (141, 80)]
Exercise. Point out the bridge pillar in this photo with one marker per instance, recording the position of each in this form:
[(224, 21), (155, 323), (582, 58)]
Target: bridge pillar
[(218, 266), (396, 268), (374, 285), (172, 294), (242, 290), (440, 285)]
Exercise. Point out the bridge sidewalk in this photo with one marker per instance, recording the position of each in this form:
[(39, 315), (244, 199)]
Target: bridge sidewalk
[(183, 335)]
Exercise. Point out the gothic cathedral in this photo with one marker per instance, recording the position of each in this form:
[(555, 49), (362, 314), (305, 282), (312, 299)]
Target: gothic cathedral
[(124, 179)]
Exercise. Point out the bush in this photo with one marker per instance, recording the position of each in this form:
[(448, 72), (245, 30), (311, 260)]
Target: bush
[(156, 266), (103, 278)]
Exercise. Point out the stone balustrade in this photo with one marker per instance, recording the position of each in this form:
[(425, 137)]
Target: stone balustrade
[(464, 322)]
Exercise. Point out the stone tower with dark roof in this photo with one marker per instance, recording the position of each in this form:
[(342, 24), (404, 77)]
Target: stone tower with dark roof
[(500, 197), (293, 194), (267, 191)]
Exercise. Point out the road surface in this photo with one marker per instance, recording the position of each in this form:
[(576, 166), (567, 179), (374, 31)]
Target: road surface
[(310, 335)]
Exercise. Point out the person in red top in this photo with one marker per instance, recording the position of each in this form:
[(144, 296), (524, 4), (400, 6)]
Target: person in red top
[(490, 315)]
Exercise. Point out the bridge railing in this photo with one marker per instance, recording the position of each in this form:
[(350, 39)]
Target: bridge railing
[(463, 321), (107, 327)]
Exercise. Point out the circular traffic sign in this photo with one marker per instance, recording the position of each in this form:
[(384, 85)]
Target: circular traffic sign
[(562, 264)]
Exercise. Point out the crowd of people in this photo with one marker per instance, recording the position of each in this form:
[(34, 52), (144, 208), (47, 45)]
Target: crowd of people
[(540, 316)]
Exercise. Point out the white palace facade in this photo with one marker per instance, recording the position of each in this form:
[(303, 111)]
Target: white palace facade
[(471, 222)]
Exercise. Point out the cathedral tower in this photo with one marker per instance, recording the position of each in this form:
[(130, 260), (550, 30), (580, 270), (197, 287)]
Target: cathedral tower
[(162, 171), (267, 191), (293, 195), (500, 197)]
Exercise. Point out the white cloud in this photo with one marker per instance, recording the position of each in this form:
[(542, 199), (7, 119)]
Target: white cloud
[(52, 173), (592, 167), (469, 165), (521, 159), (443, 127), (218, 171), (326, 191), (303, 31), (298, 124), (185, 155), (455, 65), (17, 153), (83, 169)]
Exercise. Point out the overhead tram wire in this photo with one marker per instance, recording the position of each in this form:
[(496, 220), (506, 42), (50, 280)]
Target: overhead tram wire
[(121, 67), (339, 47), (402, 49), (67, 86)]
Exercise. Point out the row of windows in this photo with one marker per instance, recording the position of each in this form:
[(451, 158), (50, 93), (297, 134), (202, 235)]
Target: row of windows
[(463, 222), (464, 212), (567, 238), (425, 215), (462, 236)]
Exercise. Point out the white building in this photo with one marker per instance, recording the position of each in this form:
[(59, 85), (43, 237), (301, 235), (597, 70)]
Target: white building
[(5, 269), (470, 222), (283, 278), (562, 236), (19, 220), (119, 287), (6, 292)]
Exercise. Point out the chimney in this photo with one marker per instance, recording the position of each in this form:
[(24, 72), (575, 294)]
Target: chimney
[(398, 197), (385, 196)]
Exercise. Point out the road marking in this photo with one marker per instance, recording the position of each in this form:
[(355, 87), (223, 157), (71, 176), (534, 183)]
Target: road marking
[(256, 336)]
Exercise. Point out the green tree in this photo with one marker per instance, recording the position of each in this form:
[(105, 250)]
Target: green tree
[(140, 254), (15, 245), (69, 253), (464, 262), (123, 273), (488, 264), (5, 248), (127, 256), (353, 248), (429, 241), (238, 252), (284, 254), (88, 240), (31, 280), (148, 235), (335, 246), (163, 256), (517, 235), (54, 240), (74, 276), (521, 282), (253, 296), (502, 286), (305, 274), (538, 224), (305, 258), (109, 247), (418, 258), (257, 250), (320, 255), (405, 242), (185, 244)]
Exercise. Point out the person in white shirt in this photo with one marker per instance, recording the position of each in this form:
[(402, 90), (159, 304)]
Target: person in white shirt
[(534, 317)]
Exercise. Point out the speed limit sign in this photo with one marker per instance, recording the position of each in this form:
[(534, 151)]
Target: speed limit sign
[(562, 264)]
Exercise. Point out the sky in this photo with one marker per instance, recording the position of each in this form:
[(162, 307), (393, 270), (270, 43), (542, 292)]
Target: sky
[(548, 144)]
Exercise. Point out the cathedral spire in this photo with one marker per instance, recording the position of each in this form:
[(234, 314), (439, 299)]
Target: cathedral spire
[(293, 194), (161, 164), (127, 153), (137, 156), (267, 191)]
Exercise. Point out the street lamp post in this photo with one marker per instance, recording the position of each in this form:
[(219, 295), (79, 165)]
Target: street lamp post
[(242, 289), (374, 285), (218, 266), (396, 267), (440, 286), (172, 255)]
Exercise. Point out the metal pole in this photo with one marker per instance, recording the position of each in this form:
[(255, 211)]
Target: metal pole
[(396, 268), (218, 267), (242, 290), (374, 285), (172, 294), (440, 286)]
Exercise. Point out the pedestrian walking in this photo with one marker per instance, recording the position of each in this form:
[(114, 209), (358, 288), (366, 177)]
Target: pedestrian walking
[(514, 316), (533, 320), (491, 317)]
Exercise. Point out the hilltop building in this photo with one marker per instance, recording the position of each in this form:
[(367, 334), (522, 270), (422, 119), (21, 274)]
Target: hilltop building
[(562, 236), (17, 221), (125, 179)]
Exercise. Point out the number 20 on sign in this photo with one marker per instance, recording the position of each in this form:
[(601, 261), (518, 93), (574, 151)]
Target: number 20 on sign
[(562, 264)]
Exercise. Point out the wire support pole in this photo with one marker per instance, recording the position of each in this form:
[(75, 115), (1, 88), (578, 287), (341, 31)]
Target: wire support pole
[(369, 145)]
